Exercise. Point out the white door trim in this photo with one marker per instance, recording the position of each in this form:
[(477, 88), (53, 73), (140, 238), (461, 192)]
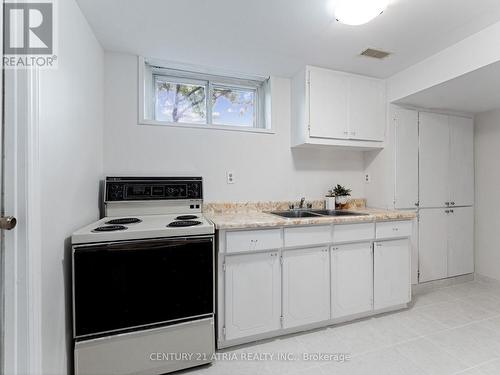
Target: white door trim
[(22, 340)]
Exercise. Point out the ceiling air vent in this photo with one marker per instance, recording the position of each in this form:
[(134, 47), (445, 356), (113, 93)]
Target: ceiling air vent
[(375, 53)]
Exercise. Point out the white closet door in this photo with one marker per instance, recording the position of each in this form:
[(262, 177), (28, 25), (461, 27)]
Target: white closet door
[(306, 286), (461, 241), (433, 244), (406, 158), (461, 161), (434, 160)]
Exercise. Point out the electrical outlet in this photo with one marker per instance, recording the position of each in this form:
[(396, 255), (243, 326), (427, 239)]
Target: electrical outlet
[(368, 178), (230, 177)]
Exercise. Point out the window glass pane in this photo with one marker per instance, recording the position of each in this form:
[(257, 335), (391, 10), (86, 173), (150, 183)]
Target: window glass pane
[(180, 102), (233, 106)]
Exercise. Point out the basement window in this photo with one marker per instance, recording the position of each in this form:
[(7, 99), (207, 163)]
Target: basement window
[(190, 97)]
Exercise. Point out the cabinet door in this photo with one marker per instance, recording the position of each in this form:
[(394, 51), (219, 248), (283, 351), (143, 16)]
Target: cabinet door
[(461, 161), (392, 280), (461, 241), (434, 160), (252, 294), (433, 244), (306, 286), (406, 158), (352, 279), (328, 103), (367, 109)]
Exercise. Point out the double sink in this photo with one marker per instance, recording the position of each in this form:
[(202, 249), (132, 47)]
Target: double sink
[(315, 213)]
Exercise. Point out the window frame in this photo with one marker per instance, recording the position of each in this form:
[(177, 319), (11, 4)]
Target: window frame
[(149, 69)]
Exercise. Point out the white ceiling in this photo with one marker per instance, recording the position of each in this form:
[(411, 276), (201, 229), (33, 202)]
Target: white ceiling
[(277, 37), (474, 92)]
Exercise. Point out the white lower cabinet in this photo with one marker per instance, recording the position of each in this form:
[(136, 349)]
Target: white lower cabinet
[(306, 286), (252, 294), (267, 293), (392, 276), (352, 279)]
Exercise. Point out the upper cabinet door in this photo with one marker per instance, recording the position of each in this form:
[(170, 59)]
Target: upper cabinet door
[(461, 161), (406, 158), (434, 160), (367, 109), (328, 104), (306, 286)]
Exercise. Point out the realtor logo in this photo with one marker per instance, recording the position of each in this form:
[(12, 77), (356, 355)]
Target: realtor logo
[(29, 34)]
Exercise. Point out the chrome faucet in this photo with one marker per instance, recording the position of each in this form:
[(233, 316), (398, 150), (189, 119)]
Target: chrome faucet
[(302, 200)]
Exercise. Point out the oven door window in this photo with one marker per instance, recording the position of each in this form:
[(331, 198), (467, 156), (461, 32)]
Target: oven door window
[(140, 283)]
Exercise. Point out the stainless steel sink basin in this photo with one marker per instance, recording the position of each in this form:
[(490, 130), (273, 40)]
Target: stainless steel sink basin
[(315, 213), (295, 214), (336, 213)]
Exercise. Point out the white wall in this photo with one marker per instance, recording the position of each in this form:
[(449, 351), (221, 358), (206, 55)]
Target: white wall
[(71, 115), (265, 167), (487, 155)]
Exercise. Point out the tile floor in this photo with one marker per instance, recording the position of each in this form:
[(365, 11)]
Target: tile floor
[(449, 330)]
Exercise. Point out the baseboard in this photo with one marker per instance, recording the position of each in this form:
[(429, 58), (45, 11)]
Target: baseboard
[(436, 284)]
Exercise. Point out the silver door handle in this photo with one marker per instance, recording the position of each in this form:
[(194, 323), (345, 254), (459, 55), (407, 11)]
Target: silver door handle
[(8, 222)]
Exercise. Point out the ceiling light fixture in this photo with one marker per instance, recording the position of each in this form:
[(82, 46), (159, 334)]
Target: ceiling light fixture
[(357, 12)]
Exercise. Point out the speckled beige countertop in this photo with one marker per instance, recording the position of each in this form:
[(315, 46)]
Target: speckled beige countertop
[(256, 215)]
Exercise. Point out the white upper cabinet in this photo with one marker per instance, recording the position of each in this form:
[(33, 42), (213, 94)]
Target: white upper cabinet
[(328, 104), (406, 158), (446, 160), (338, 109), (367, 109), (461, 161), (434, 159), (306, 286)]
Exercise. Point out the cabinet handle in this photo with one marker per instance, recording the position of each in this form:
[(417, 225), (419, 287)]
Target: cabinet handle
[(452, 203), (447, 211), (395, 229), (447, 203), (451, 211), (346, 132)]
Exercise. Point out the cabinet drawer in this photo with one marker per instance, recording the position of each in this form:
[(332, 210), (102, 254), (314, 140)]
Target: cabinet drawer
[(306, 236), (353, 232), (253, 240), (393, 229)]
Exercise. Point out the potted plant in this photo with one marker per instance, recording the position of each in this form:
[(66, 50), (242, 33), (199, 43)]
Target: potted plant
[(342, 194)]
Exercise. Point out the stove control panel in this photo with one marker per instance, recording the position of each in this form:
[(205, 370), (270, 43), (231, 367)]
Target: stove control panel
[(152, 188)]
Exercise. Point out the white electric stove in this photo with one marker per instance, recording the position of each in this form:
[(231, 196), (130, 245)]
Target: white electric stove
[(143, 279)]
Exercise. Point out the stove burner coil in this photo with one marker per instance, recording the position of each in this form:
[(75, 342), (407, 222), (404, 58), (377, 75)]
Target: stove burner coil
[(184, 223), (109, 228), (124, 220)]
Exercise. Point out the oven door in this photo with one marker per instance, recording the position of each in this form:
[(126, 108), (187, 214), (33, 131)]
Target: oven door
[(125, 285)]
